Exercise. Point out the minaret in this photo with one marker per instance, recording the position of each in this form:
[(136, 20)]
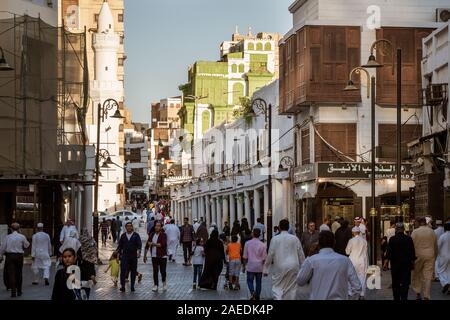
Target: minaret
[(106, 86)]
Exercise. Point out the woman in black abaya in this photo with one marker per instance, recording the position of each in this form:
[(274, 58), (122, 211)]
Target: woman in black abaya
[(214, 259)]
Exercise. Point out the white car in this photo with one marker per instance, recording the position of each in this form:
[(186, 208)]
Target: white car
[(123, 214)]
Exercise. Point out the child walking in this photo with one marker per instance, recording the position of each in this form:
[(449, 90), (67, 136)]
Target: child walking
[(234, 257), (198, 259), (114, 266)]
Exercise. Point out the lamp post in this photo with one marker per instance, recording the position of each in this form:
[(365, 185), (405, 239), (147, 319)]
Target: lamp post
[(372, 63), (260, 105), (373, 211), (102, 115)]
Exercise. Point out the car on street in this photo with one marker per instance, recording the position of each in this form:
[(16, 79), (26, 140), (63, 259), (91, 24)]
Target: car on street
[(123, 214)]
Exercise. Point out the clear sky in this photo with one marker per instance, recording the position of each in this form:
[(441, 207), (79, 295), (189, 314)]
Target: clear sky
[(163, 37)]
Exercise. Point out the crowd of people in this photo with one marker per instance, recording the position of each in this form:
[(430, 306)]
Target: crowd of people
[(330, 262)]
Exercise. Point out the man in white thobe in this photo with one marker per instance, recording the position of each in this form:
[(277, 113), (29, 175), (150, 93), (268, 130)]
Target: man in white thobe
[(173, 238), (439, 231), (357, 252), (331, 275), (443, 259), (195, 225), (67, 230), (283, 261), (41, 250)]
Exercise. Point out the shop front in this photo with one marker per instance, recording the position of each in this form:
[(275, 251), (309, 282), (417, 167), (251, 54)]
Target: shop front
[(344, 190)]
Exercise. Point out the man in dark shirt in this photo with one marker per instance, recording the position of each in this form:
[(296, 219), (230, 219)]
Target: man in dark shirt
[(226, 229), (187, 235), (104, 227), (401, 254), (310, 237), (129, 250)]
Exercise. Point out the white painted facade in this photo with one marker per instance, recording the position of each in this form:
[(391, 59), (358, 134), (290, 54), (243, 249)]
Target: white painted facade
[(106, 86), (237, 196)]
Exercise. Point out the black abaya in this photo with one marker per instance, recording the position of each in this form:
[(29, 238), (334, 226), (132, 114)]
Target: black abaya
[(214, 258)]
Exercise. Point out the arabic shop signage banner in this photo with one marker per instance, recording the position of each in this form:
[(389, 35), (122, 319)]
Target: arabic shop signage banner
[(361, 170)]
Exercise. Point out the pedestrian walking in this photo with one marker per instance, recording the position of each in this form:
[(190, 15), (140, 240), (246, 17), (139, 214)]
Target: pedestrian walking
[(439, 231), (425, 245), (202, 232), (309, 237), (214, 259), (187, 236), (357, 252), (212, 227), (89, 258), (255, 254), (119, 228), (336, 224), (245, 232), (157, 243), (61, 290), (236, 228), (276, 230), (173, 238), (259, 225), (233, 250), (104, 227), (331, 275), (136, 224), (360, 222), (69, 228), (390, 232), (114, 265), (283, 261), (71, 242), (401, 255), (13, 248), (443, 259), (198, 259), (150, 225), (114, 228), (41, 251), (196, 224), (226, 229), (129, 249), (342, 237), (325, 226)]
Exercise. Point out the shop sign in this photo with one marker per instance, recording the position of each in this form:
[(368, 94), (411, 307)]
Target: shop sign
[(362, 170), (304, 173)]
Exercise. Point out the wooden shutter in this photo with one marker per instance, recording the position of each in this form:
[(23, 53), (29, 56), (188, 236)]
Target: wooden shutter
[(305, 146)]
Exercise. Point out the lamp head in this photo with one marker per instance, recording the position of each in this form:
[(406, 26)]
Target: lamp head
[(117, 115), (350, 86), (372, 63), (105, 165), (108, 160)]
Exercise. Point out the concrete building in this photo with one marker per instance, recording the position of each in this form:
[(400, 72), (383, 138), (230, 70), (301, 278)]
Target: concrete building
[(233, 179), (215, 89), (430, 152), (137, 160), (164, 144), (333, 141)]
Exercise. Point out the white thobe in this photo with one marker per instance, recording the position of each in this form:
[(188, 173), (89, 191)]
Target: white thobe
[(443, 259), (195, 226), (135, 224), (439, 232), (65, 232), (41, 250), (284, 260), (173, 238), (357, 251)]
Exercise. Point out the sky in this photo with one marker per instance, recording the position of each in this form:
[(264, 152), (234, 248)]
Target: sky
[(164, 37)]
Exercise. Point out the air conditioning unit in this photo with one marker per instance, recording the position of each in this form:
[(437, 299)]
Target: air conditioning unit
[(442, 15)]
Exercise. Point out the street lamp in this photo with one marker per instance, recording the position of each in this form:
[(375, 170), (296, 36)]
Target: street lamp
[(373, 210), (372, 63), (102, 115), (259, 106)]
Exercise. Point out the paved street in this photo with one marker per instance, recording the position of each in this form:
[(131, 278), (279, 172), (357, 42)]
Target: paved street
[(179, 285)]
